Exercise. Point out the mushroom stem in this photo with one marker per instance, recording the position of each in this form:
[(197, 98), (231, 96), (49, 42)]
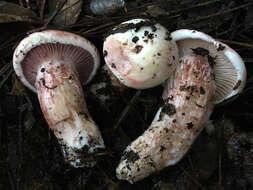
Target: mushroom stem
[(187, 106), (63, 105)]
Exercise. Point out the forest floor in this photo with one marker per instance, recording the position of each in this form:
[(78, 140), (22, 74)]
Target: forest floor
[(30, 157)]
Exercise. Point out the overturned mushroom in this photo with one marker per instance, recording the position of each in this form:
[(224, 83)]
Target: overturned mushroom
[(54, 64), (140, 53), (209, 72)]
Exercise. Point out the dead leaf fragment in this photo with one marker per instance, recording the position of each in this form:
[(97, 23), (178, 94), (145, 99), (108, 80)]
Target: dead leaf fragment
[(10, 12), (69, 13)]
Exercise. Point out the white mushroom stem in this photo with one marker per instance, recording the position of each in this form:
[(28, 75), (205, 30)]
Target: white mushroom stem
[(62, 102), (187, 106)]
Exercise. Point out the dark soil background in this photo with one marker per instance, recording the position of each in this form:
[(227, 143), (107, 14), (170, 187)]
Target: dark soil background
[(30, 157)]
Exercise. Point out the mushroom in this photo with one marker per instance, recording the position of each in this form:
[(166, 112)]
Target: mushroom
[(229, 68), (208, 73), (54, 64), (140, 53)]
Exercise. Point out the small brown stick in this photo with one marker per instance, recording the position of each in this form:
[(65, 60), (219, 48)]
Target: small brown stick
[(127, 109), (5, 78), (5, 68), (11, 42), (219, 13), (59, 6), (195, 6), (220, 139), (190, 161), (67, 8), (44, 84), (99, 153), (229, 30), (237, 43), (97, 28), (11, 177), (144, 6), (42, 7), (109, 180), (192, 178)]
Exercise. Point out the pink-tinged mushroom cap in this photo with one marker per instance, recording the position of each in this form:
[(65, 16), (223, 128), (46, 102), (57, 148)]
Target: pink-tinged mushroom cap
[(40, 47), (229, 69), (140, 53)]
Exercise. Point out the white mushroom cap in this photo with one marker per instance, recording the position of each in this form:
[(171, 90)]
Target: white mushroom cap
[(229, 68), (140, 53), (41, 46)]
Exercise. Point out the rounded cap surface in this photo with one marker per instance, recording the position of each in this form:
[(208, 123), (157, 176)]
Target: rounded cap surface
[(44, 46), (140, 53), (229, 68)]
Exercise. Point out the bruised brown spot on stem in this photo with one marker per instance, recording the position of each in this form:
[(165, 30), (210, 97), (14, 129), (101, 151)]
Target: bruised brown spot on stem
[(202, 90), (44, 84), (198, 105), (191, 88)]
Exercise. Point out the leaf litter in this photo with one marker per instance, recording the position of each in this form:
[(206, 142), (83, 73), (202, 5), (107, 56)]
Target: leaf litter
[(30, 157)]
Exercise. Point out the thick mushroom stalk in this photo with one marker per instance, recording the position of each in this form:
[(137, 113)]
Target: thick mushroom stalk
[(187, 106), (55, 63), (64, 107)]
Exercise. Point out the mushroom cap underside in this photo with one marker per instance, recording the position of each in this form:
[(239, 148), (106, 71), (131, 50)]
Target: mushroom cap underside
[(229, 68), (49, 45)]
